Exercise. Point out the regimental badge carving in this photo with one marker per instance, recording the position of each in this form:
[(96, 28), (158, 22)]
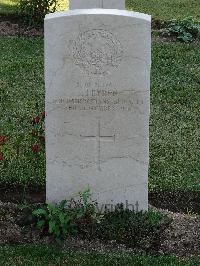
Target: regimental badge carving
[(96, 51)]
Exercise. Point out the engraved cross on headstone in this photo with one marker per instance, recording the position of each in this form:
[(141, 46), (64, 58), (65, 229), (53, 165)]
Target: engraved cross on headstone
[(99, 137)]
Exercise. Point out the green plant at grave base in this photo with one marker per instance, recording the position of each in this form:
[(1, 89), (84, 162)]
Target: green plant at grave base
[(133, 229), (88, 207), (60, 220), (34, 11), (185, 31)]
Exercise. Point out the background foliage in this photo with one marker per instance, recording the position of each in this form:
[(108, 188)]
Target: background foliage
[(159, 9), (32, 12)]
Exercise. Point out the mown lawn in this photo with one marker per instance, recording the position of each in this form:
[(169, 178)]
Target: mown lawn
[(43, 255), (166, 9), (8, 6), (175, 108), (174, 126), (159, 9)]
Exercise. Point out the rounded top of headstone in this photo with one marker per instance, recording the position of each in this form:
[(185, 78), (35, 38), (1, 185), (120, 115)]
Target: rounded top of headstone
[(99, 11)]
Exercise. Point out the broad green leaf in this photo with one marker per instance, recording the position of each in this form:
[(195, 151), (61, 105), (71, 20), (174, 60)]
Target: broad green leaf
[(39, 212), (52, 226), (62, 218), (62, 204), (40, 224)]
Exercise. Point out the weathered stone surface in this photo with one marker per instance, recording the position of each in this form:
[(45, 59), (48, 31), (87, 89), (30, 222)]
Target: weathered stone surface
[(97, 75)]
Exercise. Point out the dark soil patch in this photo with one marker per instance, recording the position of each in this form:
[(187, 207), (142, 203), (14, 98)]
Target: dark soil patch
[(19, 195), (163, 39), (180, 238), (11, 26), (175, 201), (156, 24), (12, 18)]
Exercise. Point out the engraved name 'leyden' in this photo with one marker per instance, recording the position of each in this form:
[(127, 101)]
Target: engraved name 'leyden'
[(103, 101)]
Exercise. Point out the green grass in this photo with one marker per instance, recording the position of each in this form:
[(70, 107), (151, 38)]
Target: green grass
[(166, 9), (8, 6), (43, 255), (159, 9), (175, 101), (22, 97), (175, 106)]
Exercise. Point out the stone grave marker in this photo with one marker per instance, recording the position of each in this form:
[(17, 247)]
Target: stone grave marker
[(97, 80), (106, 4)]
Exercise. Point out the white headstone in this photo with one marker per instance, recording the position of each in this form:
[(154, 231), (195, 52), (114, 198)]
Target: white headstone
[(106, 4), (97, 78)]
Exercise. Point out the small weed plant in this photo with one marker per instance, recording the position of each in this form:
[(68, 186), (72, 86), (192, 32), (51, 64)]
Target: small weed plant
[(60, 220), (185, 31), (133, 229)]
